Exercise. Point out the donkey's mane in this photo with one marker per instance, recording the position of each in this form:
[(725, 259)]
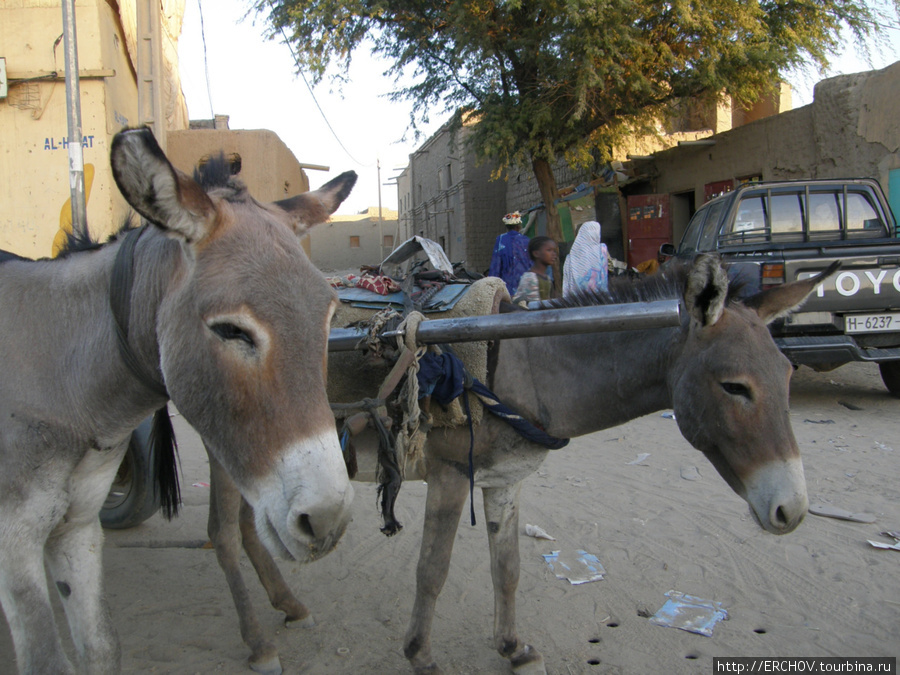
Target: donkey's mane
[(667, 284), (217, 172), (77, 242), (9, 255)]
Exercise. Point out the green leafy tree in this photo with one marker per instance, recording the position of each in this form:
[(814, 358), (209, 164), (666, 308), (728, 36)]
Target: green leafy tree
[(545, 78)]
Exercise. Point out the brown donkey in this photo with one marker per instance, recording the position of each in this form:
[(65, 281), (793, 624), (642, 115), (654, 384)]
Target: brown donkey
[(720, 371), (224, 315)]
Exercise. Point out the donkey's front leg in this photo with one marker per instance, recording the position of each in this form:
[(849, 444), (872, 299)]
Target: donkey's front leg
[(74, 558), (224, 533), (280, 594), (447, 492), (501, 511), (26, 602)]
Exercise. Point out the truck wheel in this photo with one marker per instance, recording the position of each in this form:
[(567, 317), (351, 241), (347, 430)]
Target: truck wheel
[(890, 375), (132, 497)]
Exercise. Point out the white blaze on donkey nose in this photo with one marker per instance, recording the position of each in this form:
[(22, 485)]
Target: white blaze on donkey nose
[(310, 518)]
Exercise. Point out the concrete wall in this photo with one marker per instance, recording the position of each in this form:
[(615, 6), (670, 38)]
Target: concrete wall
[(850, 130), (781, 101), (697, 120), (485, 206), (445, 195), (436, 180), (34, 164), (332, 249), (268, 167), (405, 214), (522, 189), (777, 147)]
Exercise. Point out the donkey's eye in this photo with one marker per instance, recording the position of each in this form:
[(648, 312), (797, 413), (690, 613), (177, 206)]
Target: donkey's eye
[(228, 331), (737, 389)]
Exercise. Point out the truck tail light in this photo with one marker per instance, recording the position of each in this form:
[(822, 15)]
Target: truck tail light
[(772, 274)]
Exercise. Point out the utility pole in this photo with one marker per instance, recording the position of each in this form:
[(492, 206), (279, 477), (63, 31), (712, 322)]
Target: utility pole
[(149, 69), (380, 219), (73, 114)]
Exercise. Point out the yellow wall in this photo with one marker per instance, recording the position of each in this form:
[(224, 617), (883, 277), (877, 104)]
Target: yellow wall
[(34, 164)]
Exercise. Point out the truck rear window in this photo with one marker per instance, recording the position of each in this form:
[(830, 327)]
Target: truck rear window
[(787, 217), (798, 216), (862, 218), (824, 213)]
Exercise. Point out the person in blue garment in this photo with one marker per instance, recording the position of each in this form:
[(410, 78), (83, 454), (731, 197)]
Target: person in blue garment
[(510, 258)]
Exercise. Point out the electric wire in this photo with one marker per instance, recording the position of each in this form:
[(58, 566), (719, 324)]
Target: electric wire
[(205, 61), (315, 100)]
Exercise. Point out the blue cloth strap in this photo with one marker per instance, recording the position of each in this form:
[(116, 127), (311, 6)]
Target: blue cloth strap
[(445, 378)]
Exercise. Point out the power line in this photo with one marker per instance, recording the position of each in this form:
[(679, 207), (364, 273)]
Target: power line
[(315, 100), (205, 62)]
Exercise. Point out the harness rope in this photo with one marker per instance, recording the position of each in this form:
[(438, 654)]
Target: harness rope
[(446, 379), (413, 429), (391, 449)]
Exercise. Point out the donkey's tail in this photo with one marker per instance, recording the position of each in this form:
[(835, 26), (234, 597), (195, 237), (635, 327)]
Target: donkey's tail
[(165, 463)]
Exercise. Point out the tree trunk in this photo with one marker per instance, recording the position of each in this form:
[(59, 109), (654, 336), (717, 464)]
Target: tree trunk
[(546, 181)]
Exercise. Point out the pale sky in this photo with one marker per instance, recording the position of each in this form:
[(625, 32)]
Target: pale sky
[(252, 80)]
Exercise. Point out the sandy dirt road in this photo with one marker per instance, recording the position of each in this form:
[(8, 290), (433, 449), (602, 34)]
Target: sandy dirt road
[(668, 522)]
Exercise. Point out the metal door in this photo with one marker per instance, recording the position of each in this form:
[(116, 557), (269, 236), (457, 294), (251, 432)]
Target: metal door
[(649, 226), (717, 188)]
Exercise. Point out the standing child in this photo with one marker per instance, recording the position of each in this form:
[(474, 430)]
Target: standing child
[(537, 283)]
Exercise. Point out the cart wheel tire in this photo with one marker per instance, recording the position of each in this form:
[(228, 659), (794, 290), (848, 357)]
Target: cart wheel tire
[(132, 497), (890, 375)]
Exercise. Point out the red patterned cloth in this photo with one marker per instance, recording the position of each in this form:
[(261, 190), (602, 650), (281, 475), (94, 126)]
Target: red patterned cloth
[(379, 284)]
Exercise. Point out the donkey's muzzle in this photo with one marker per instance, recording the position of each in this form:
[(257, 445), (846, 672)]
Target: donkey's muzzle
[(321, 528), (304, 505), (777, 496)]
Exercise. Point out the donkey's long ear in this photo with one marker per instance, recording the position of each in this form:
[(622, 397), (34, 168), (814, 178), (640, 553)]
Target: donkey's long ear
[(706, 290), (156, 189), (781, 300), (312, 208)]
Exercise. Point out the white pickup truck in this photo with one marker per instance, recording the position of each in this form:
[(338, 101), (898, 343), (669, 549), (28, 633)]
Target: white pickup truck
[(771, 233)]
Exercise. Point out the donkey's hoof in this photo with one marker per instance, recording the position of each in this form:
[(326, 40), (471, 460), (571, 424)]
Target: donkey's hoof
[(294, 610), (307, 622), (270, 665), (528, 662)]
